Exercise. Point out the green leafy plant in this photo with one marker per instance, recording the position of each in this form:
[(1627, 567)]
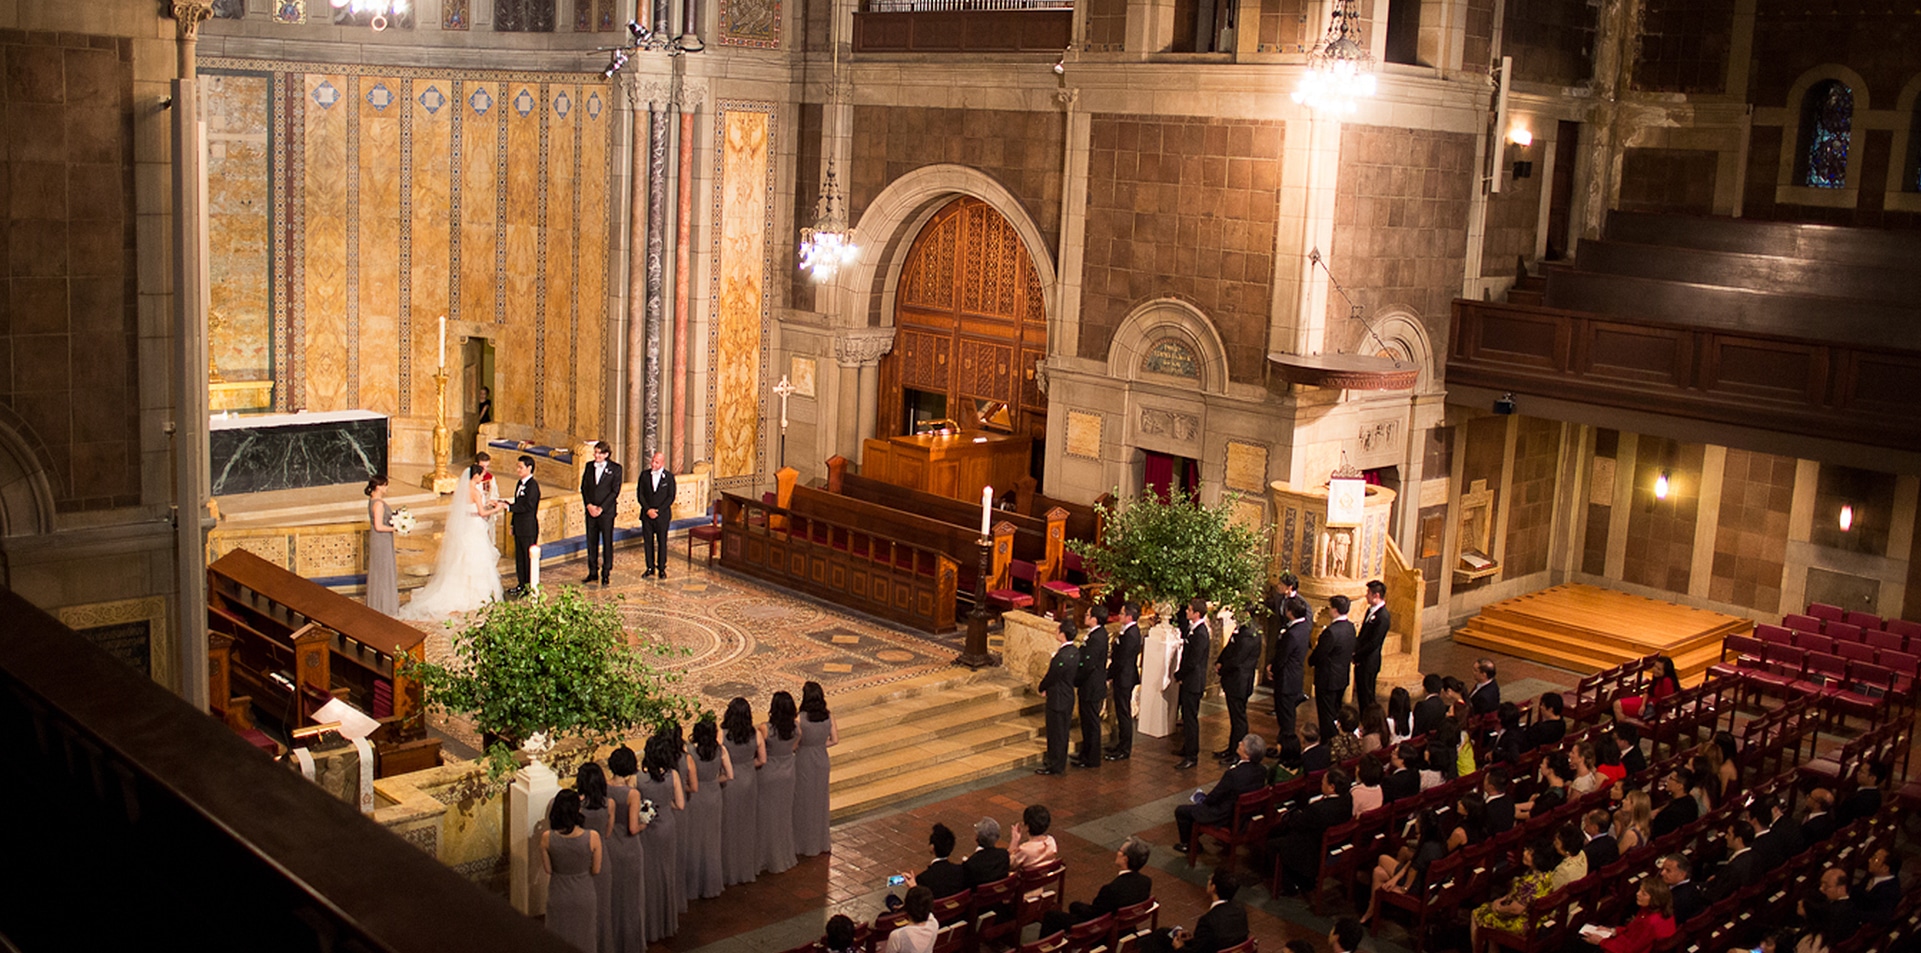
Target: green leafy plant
[(558, 663), (1177, 550)]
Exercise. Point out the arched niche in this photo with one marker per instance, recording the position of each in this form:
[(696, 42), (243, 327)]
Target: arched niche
[(26, 494), (1169, 341), (1403, 337)]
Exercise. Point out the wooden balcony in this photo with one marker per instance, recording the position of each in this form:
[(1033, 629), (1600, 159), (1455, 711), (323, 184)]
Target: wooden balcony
[(1838, 390), (1018, 30)]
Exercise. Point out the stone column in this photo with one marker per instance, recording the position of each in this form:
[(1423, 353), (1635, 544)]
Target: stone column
[(683, 270), (656, 268), (862, 349), (632, 444), (190, 289)]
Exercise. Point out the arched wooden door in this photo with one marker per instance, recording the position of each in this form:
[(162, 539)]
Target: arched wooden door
[(972, 325)]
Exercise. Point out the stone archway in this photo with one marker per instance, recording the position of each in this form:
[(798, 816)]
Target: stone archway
[(1171, 341)]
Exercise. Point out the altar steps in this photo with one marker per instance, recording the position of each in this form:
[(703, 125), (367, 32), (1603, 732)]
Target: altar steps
[(1588, 629), (929, 733)]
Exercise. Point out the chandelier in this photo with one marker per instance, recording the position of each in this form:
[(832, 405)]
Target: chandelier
[(830, 243), (1339, 69), (382, 10)]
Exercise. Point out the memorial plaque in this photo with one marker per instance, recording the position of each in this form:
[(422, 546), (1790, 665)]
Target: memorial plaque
[(1084, 435), (1246, 466)]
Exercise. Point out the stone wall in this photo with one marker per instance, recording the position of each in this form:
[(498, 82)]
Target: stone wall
[(1021, 150)]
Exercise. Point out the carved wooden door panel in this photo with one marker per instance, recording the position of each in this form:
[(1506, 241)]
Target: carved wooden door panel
[(972, 325)]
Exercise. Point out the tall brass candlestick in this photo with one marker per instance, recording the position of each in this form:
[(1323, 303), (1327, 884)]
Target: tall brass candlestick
[(441, 480)]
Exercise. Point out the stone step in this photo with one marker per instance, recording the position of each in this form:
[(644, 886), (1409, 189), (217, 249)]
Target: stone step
[(932, 758), (875, 795), (1585, 657), (932, 724)]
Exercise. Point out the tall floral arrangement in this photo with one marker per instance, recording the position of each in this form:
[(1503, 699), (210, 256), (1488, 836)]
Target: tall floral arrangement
[(1169, 551)]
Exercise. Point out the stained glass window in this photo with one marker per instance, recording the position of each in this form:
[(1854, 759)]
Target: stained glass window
[(524, 16), (1171, 357), (1827, 121)]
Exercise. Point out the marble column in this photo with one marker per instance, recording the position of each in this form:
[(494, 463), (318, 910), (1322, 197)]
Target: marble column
[(656, 272), (190, 291), (683, 268), (632, 444), (861, 349)]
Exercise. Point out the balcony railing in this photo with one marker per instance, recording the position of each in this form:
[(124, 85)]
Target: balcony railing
[(963, 26), (961, 6)]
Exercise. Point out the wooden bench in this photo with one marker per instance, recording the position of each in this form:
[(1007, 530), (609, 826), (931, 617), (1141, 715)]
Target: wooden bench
[(286, 646)]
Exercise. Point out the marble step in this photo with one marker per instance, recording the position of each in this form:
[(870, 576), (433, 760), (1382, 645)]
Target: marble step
[(935, 724), (935, 756), (855, 716), (876, 795)]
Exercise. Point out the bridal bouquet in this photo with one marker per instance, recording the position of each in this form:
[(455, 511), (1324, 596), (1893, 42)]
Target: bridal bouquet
[(403, 520), (647, 810)]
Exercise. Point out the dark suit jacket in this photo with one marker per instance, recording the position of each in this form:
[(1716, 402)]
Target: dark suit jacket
[(1333, 658), (1509, 748), (1793, 839), (1125, 890), (525, 508), (1318, 758), (1634, 760), (1403, 783), (1865, 802), (1297, 835), (1428, 713), (1196, 643), (1290, 659), (1124, 662), (1242, 778), (1675, 815), (1239, 658), (1500, 815), (1371, 635), (605, 493), (1484, 698), (1093, 680), (1062, 673), (1218, 929), (1836, 919), (1769, 850), (1546, 732), (1601, 851), (1738, 872), (944, 877), (661, 499), (1688, 899), (1878, 903), (1819, 827), (985, 866)]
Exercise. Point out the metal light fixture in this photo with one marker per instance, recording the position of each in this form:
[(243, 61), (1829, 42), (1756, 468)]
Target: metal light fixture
[(1661, 486), (829, 244), (1847, 517), (1339, 69), (640, 39), (381, 9)]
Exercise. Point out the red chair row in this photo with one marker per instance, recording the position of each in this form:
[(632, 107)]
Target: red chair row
[(1841, 633), (1828, 614), (1867, 689)]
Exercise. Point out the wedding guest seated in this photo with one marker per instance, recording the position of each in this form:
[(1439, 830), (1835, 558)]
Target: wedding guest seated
[(1128, 888), (1568, 842), (1680, 809), (1346, 937), (1653, 922), (989, 861), (1486, 696), (1245, 777), (1555, 772), (1315, 755), (1628, 739), (1770, 848), (1404, 774), (1636, 709), (1297, 834), (840, 935), (1882, 895), (1509, 741), (1549, 727), (1367, 794), (1601, 847), (1406, 870), (1223, 925), (1677, 872), (1499, 807), (1508, 912), (1820, 822), (1866, 799), (921, 930), (1740, 868), (1032, 846), (1830, 911), (1344, 743), (944, 877)]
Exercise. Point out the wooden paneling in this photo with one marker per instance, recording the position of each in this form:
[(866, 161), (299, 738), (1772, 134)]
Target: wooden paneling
[(971, 31), (1827, 389)]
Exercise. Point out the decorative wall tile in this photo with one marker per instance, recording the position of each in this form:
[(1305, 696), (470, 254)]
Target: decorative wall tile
[(750, 23), (744, 214)]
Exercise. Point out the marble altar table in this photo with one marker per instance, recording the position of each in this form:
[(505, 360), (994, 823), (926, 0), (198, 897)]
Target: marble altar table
[(290, 451)]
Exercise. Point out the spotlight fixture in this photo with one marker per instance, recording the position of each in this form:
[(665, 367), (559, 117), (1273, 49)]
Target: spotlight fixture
[(641, 39), (1060, 65), (1661, 486), (1847, 517), (1504, 404)]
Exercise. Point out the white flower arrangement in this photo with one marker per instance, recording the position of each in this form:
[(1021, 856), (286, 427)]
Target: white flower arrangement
[(648, 811), (403, 519)]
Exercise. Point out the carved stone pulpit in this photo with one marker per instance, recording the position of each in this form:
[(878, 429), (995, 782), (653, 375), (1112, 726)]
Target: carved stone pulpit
[(1325, 558)]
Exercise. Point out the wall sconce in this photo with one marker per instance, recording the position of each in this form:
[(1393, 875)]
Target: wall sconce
[(1847, 517), (1661, 486), (1520, 136)]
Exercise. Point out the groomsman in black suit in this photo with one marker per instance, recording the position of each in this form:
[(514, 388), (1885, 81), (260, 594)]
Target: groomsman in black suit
[(1092, 687), (1239, 658), (1368, 640), (655, 488), (1124, 671), (1287, 672), (525, 508), (1332, 659), (1196, 643), (600, 491), (1057, 686)]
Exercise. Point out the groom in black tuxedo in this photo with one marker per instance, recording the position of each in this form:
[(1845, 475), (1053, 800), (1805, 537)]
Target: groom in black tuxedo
[(600, 491), (656, 491), (526, 511)]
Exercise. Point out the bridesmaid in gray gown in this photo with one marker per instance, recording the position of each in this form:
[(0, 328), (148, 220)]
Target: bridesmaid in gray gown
[(590, 782), (570, 853), (628, 923), (383, 586), (702, 861), (661, 883), (777, 786), (690, 784), (817, 734), (740, 798)]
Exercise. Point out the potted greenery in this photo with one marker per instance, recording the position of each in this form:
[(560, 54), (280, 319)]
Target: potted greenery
[(557, 664), (1161, 552)]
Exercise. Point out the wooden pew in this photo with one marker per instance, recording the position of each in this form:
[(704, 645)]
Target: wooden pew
[(831, 550), (292, 645)]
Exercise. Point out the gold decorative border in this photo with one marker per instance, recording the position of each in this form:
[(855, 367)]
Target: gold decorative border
[(149, 609)]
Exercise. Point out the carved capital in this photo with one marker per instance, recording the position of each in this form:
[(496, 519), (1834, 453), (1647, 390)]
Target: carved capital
[(648, 92), (864, 347), (689, 95), (1068, 97), (189, 14)]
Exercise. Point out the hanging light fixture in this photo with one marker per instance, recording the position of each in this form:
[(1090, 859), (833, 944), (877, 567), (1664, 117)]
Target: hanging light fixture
[(829, 244), (1339, 69), (382, 10), (1847, 517)]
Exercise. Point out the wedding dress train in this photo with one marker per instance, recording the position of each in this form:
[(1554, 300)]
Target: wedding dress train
[(467, 572)]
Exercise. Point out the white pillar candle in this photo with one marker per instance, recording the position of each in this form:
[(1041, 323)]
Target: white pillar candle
[(443, 340), (987, 510), (533, 567)]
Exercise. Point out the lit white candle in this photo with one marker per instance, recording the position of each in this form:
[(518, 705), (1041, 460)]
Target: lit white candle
[(443, 340), (533, 567), (987, 509)]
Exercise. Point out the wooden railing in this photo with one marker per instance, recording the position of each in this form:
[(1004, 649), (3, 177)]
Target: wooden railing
[(844, 564), (1818, 388), (1406, 591), (1023, 28)]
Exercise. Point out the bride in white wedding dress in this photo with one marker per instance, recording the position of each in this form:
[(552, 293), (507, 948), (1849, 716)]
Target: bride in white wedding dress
[(467, 573)]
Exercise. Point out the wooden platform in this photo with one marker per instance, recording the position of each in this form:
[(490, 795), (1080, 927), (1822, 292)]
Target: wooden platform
[(1587, 629)]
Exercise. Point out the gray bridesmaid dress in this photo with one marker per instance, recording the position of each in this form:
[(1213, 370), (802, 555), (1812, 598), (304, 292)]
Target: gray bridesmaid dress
[(683, 831), (810, 789), (571, 907), (777, 804), (740, 817), (604, 881), (661, 885), (702, 820), (626, 925), (383, 585)]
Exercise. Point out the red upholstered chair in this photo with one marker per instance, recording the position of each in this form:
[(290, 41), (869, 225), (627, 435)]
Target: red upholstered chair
[(1855, 651), (953, 909), (1247, 808), (1805, 623), (1903, 627), (1814, 643), (1776, 635), (1866, 620), (1845, 631), (991, 909), (1052, 943), (1885, 640), (1089, 935), (1133, 922), (1825, 612), (1008, 598), (708, 533), (1040, 892)]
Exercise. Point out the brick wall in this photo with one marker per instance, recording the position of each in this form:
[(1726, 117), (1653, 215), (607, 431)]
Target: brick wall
[(1398, 234), (1751, 538), (1022, 150)]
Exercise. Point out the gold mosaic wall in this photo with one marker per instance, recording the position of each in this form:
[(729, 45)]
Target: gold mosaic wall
[(377, 200), (744, 209)]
